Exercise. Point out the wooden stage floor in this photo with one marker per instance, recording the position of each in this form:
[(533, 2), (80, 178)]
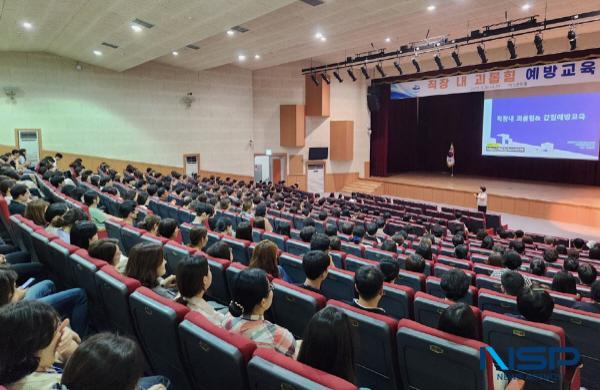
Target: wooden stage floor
[(566, 203)]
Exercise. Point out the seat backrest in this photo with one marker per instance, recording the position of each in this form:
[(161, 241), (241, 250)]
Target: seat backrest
[(214, 358), (231, 273), (292, 265), (278, 239), (59, 252), (487, 282), (505, 333), (563, 299), (83, 269), (114, 290), (212, 238), (353, 263), (379, 255), (497, 302), (414, 280), (338, 258), (433, 287), (376, 366), (239, 248), (174, 254), (397, 301), (294, 306), (432, 359), (582, 328), (428, 309), (113, 229), (440, 269), (218, 290), (339, 285), (152, 312), (271, 370), (297, 247), (130, 236), (185, 232), (353, 249), (456, 263)]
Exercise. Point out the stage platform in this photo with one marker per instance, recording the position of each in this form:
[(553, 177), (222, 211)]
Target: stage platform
[(566, 203)]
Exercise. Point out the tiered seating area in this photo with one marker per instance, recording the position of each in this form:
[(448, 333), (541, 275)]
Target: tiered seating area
[(402, 349)]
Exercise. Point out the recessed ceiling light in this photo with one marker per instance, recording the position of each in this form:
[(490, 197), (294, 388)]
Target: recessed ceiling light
[(27, 25), (431, 8), (136, 28), (388, 40), (318, 35), (230, 33), (323, 39), (257, 56), (242, 57), (97, 52), (526, 6), (175, 53)]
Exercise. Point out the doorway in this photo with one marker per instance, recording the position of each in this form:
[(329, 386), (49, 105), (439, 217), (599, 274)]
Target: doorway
[(270, 167)]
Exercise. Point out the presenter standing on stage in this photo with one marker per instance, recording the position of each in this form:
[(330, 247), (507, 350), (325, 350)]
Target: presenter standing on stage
[(482, 200)]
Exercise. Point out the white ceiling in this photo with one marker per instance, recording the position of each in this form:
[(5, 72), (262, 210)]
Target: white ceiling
[(281, 31)]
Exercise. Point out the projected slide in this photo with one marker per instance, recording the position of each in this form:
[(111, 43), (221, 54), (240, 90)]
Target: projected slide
[(558, 126)]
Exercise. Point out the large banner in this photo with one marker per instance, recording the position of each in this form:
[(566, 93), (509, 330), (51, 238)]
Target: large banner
[(532, 76)]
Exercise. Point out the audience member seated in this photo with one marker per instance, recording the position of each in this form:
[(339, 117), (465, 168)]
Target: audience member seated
[(561, 249), (150, 224), (315, 265), (98, 217), (306, 233), (511, 261), (335, 244), (424, 250), (331, 230), (20, 197), (266, 257), (328, 344), (243, 231), (458, 239), (284, 228), (495, 259), (460, 251), (35, 211), (390, 269), (564, 282), (225, 226), (537, 266), (108, 361), (594, 252), (128, 212), (220, 250), (33, 339), (252, 296), (320, 242), (594, 305), (107, 249), (368, 283), (455, 284), (517, 246), (571, 264), (415, 263), (168, 228), (389, 246), (204, 212), (535, 305), (193, 279), (61, 225), (487, 242), (147, 264), (198, 237), (83, 233), (587, 273), (512, 283)]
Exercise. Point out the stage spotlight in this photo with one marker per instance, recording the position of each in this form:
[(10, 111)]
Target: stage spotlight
[(314, 78), (380, 69), (398, 68), (416, 64), (481, 52), (456, 57), (336, 74), (539, 43), (512, 48), (438, 61), (326, 78), (572, 36), (351, 74), (365, 71)]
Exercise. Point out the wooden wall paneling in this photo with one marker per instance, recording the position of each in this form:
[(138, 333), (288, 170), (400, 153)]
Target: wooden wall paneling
[(296, 164), (341, 140), (316, 98), (291, 125), (297, 179)]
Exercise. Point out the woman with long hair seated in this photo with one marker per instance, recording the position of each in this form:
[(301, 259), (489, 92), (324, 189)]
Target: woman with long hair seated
[(147, 264), (252, 296), (265, 256)]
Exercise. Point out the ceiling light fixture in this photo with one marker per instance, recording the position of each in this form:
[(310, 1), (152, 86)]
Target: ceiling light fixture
[(336, 74), (572, 37), (175, 53), (230, 33), (314, 79), (512, 48), (526, 6), (482, 55), (27, 25), (438, 61), (242, 57), (351, 74), (380, 69), (318, 35), (538, 41), (257, 56), (365, 71), (397, 66), (136, 28), (388, 40), (416, 64), (97, 52), (323, 39), (456, 57), (431, 8), (326, 78)]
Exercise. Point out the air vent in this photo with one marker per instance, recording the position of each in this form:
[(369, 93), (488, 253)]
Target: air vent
[(314, 3), (192, 46), (143, 23), (240, 29), (112, 45)]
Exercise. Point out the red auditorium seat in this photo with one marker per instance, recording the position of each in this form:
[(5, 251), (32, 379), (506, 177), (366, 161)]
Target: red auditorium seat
[(83, 269), (212, 238), (113, 230), (184, 230), (397, 301), (357, 250), (376, 363), (214, 358), (292, 265), (456, 263), (338, 258), (582, 328), (174, 254), (151, 238), (58, 256), (231, 274), (439, 269), (40, 239), (379, 255), (563, 299), (156, 321), (339, 284), (433, 287), (428, 309), (414, 280), (353, 263), (271, 370), (432, 359), (219, 290), (297, 247), (114, 290), (485, 281), (130, 236), (278, 239), (239, 249), (294, 306), (497, 302), (503, 332)]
